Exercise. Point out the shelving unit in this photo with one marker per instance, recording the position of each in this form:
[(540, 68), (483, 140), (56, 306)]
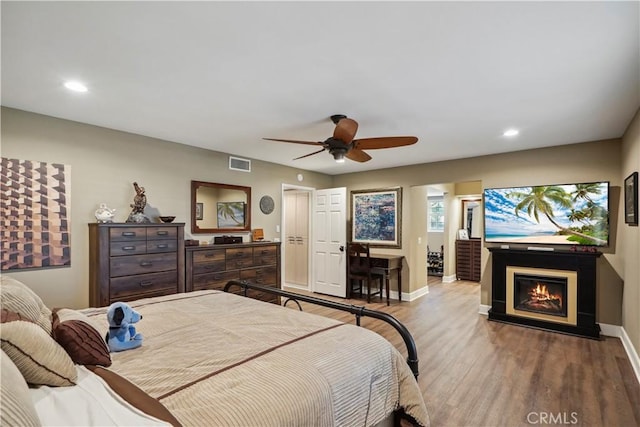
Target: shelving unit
[(468, 259), (435, 262)]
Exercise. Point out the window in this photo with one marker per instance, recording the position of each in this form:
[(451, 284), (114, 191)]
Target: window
[(436, 214)]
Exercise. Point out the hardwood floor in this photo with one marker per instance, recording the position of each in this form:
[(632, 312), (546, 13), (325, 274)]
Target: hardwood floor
[(474, 372)]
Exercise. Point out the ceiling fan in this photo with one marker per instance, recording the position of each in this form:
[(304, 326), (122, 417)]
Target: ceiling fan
[(342, 144)]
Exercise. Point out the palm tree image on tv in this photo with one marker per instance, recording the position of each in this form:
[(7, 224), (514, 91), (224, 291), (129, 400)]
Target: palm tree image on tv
[(557, 214)]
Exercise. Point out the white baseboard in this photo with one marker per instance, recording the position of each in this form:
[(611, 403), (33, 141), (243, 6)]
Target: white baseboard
[(449, 279), (408, 296), (619, 332), (484, 309)]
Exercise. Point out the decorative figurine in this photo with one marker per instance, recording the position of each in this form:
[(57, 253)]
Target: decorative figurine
[(104, 214), (139, 202)]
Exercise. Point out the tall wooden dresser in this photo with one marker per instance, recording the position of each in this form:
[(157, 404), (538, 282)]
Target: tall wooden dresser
[(468, 265), (212, 266), (130, 261)]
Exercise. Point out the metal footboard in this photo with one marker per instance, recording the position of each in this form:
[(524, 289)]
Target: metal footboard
[(357, 311)]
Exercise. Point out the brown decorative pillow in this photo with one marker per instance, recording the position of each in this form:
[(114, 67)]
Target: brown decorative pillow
[(17, 297), (135, 395), (77, 334), (17, 409), (40, 359)]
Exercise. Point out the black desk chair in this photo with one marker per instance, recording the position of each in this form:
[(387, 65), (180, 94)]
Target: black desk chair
[(360, 272)]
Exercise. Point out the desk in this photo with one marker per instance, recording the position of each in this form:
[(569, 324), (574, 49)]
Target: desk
[(386, 264)]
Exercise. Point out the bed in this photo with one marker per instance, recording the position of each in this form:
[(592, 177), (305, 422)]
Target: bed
[(218, 359)]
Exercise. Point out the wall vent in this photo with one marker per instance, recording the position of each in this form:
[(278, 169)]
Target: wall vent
[(238, 164)]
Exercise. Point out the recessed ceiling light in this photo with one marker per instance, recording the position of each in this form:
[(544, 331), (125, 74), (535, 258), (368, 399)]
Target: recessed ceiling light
[(511, 132), (75, 86)]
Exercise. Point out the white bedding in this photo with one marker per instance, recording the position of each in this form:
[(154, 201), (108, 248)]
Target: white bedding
[(89, 403)]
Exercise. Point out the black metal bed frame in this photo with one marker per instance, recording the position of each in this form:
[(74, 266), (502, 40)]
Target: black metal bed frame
[(357, 311)]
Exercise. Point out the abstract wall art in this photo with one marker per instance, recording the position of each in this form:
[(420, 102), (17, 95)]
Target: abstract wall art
[(35, 215)]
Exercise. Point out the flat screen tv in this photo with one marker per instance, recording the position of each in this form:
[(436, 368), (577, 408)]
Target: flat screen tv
[(568, 214)]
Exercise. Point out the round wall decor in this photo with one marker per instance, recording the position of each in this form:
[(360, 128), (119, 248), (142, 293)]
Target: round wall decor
[(266, 204)]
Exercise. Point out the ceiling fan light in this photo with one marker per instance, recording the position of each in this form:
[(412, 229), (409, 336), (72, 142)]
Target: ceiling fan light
[(338, 155)]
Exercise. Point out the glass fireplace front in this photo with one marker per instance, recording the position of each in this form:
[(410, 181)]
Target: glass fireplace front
[(540, 294)]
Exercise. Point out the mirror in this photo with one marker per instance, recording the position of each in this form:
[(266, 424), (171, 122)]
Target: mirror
[(220, 208), (472, 217)]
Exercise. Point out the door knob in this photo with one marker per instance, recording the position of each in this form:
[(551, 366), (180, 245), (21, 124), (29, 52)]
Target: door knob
[(341, 248)]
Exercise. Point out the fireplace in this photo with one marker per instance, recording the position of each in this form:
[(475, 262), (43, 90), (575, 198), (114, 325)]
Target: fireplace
[(547, 290), (540, 294)]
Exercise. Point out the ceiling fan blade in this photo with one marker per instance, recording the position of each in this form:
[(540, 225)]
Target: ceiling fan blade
[(310, 154), (345, 130), (358, 155), (384, 142), (294, 141)]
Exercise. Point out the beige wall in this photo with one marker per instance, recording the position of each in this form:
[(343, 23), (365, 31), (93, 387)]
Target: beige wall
[(590, 161), (105, 163), (629, 245)]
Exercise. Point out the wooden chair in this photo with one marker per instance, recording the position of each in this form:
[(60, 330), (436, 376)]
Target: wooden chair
[(360, 272)]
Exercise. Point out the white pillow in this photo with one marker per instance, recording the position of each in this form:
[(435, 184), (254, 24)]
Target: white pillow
[(16, 409)]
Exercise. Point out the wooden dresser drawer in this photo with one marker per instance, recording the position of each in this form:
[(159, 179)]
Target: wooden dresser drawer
[(121, 248), (131, 287), (139, 264), (239, 258), (212, 255), (266, 255), (260, 276), (215, 280), (120, 234), (155, 246), (162, 233)]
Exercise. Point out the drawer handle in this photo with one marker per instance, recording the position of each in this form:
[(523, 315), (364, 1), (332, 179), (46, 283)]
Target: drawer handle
[(146, 264), (128, 233), (162, 246), (162, 233), (128, 248), (209, 255), (239, 254), (146, 284), (264, 251)]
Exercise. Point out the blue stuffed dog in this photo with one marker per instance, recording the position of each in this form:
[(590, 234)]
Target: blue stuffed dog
[(122, 334)]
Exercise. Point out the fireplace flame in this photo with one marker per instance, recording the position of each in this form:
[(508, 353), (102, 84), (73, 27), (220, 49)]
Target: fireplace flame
[(541, 293)]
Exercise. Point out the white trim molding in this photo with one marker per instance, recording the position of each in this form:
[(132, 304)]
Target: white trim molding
[(408, 296), (449, 279), (484, 309), (619, 332)]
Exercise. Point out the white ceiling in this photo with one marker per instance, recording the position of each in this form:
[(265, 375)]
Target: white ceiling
[(222, 75)]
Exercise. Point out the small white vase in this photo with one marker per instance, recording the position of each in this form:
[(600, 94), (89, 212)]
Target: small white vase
[(104, 214)]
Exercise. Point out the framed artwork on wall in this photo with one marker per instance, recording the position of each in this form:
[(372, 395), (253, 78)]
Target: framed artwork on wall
[(36, 231), (631, 199), (230, 214), (199, 211), (376, 217)]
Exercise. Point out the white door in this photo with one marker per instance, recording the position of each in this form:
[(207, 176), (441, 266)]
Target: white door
[(329, 241)]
